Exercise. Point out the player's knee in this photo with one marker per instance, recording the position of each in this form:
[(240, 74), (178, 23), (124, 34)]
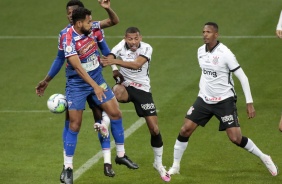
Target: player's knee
[(116, 114), (154, 131), (75, 127), (236, 140), (185, 131)]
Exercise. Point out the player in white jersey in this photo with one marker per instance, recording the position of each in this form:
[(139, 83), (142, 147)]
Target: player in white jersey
[(279, 29), (279, 34), (217, 97), (134, 57)]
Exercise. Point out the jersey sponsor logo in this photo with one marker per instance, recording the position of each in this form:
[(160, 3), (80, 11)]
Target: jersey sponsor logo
[(210, 72), (148, 106), (190, 110), (85, 48), (228, 118), (213, 99), (136, 71)]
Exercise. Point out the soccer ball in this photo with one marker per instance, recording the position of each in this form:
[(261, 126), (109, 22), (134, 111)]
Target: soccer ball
[(57, 103)]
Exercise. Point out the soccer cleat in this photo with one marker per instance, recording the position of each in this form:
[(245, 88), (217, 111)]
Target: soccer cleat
[(272, 168), (68, 179), (173, 170), (108, 171), (62, 175), (164, 174), (102, 128), (126, 161)]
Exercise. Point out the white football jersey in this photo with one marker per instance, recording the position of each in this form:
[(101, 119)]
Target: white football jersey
[(137, 78), (216, 83)]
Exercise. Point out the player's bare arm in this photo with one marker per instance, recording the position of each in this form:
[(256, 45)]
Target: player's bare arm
[(137, 63), (76, 64), (113, 18)]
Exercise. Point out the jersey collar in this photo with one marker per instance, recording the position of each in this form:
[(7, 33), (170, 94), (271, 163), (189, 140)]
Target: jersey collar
[(213, 47)]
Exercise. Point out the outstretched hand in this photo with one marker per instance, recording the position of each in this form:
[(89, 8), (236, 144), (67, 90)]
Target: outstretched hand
[(251, 110), (105, 3), (105, 61), (40, 88)]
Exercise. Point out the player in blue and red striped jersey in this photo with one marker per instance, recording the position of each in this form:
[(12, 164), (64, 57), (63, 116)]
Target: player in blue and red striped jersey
[(84, 79), (58, 62)]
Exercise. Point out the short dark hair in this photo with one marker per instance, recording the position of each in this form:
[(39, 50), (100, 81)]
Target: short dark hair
[(212, 24), (75, 3), (132, 30), (80, 14)]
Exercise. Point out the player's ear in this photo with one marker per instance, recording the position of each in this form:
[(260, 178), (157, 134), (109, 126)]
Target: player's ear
[(79, 23)]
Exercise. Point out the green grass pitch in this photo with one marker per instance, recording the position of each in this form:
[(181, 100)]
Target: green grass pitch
[(30, 136)]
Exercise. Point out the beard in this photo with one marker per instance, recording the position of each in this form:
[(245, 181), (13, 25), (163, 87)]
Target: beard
[(85, 31)]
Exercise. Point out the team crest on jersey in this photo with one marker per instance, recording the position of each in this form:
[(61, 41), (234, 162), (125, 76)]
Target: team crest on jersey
[(215, 60), (69, 48), (190, 110), (69, 103)]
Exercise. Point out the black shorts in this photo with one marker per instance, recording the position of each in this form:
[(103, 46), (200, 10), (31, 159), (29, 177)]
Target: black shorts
[(142, 100), (225, 111)]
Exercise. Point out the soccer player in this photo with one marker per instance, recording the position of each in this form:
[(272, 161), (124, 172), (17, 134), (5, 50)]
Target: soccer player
[(217, 98), (279, 28), (134, 66), (58, 62), (84, 80), (279, 34)]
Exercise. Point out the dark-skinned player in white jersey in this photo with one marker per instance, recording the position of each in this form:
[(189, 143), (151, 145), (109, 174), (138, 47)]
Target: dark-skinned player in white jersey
[(134, 66), (217, 98)]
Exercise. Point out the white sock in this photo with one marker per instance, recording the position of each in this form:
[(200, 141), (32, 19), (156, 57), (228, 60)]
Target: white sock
[(120, 150), (64, 153), (252, 148), (158, 153), (105, 119), (69, 162), (107, 156), (179, 148)]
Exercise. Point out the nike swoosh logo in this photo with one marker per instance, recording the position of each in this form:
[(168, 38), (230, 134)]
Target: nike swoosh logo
[(229, 123)]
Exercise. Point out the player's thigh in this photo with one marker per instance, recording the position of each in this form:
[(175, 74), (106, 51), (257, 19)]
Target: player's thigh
[(120, 93), (226, 113), (111, 107), (96, 110), (188, 128), (152, 123), (200, 112), (234, 134), (143, 102)]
